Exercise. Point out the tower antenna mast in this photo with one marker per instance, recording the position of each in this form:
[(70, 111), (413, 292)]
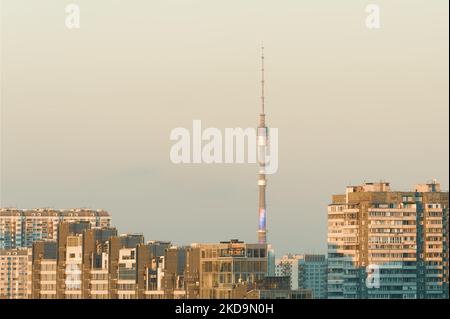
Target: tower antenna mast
[(262, 79)]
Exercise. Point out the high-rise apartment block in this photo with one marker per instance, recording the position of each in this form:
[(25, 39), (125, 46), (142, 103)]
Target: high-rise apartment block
[(75, 266), (95, 271), (388, 244), (173, 272), (15, 273), (20, 228), (44, 265), (307, 271)]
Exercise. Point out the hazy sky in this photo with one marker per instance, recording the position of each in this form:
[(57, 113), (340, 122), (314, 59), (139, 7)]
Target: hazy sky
[(86, 113)]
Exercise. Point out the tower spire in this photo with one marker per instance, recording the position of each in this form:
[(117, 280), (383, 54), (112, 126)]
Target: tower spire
[(262, 78)]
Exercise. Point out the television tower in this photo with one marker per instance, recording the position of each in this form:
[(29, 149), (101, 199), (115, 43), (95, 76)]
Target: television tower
[(262, 138)]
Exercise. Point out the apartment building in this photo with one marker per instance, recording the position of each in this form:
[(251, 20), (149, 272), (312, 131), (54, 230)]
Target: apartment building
[(388, 244), (165, 277), (95, 272), (44, 264), (306, 271), (123, 266), (22, 227), (223, 267), (75, 266), (15, 273), (70, 259)]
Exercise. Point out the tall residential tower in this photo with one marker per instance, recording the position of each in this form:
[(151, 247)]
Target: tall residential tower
[(398, 238)]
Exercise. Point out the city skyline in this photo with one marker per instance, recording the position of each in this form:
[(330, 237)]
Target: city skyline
[(101, 218), (382, 243), (93, 128)]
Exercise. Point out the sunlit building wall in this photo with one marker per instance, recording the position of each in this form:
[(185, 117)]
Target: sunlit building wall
[(399, 238), (15, 273)]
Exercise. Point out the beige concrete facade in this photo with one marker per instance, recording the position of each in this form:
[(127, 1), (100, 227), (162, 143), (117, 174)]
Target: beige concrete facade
[(15, 273), (404, 235)]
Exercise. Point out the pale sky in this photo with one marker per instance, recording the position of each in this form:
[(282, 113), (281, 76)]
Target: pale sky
[(86, 113)]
